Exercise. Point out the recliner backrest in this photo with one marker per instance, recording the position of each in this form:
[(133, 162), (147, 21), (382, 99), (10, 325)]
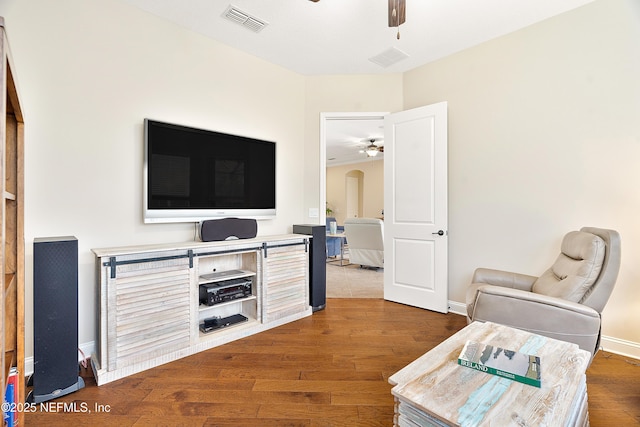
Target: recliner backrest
[(599, 294), (586, 269), (365, 233), (575, 269)]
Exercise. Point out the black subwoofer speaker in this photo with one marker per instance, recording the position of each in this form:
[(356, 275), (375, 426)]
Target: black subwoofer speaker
[(317, 263), (55, 319)]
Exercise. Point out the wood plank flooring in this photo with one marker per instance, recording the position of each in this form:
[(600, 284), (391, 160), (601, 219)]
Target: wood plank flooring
[(330, 369), (351, 281)]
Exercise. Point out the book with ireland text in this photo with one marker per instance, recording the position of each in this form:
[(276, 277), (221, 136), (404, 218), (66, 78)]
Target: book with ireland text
[(521, 367)]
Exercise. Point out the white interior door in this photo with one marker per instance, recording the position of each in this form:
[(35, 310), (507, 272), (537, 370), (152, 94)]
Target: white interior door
[(415, 207)]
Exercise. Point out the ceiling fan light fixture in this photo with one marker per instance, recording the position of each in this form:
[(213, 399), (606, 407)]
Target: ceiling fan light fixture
[(371, 150)]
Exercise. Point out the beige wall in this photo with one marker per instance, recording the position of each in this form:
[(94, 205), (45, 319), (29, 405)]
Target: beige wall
[(372, 188), (338, 94), (88, 74), (544, 137)]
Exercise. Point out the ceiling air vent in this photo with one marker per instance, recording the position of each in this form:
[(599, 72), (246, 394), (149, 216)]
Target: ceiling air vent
[(389, 57), (239, 17)]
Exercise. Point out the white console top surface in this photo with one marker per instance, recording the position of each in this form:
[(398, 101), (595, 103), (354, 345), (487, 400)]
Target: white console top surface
[(196, 245)]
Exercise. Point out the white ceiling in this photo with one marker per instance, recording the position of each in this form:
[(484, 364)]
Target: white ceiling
[(347, 139), (340, 36)]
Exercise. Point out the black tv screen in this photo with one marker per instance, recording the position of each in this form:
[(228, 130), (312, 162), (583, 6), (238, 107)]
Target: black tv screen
[(194, 174)]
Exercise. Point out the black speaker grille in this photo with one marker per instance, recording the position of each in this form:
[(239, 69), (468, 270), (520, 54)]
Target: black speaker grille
[(55, 314)]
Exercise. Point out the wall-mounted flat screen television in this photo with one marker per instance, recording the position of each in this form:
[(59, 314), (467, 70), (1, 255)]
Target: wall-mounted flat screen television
[(193, 174)]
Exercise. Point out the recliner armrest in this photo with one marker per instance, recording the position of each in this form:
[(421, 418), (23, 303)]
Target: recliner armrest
[(505, 279), (537, 313), (525, 298)]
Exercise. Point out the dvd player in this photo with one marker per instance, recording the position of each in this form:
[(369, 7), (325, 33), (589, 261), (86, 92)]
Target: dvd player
[(214, 323)]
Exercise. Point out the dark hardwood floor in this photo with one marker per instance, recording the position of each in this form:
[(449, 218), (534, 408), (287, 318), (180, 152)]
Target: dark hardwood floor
[(330, 369)]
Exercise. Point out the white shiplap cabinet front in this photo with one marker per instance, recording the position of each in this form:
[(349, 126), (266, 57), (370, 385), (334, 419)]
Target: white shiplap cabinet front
[(149, 310), (149, 301), (285, 282)]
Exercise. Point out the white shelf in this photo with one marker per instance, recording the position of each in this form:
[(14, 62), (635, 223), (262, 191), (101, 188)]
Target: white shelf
[(225, 276), (202, 308)]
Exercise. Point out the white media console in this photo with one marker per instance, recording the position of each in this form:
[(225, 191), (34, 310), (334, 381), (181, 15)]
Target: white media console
[(150, 311)]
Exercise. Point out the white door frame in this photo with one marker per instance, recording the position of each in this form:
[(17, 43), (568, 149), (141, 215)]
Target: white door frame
[(324, 117)]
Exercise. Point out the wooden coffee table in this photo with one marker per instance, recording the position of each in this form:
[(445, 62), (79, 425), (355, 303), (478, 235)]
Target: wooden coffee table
[(435, 391)]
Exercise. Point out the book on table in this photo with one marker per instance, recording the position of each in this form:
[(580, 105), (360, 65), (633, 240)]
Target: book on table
[(521, 367)]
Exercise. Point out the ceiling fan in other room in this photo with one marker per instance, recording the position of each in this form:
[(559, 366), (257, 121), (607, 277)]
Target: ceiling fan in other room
[(372, 149), (397, 13)]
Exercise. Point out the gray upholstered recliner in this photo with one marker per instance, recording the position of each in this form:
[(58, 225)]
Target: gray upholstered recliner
[(565, 302), (366, 241)]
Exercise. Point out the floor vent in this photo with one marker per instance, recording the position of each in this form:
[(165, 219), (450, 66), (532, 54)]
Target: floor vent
[(389, 57), (239, 17)]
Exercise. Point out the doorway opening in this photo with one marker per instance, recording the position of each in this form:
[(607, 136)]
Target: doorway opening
[(326, 122), (347, 279)]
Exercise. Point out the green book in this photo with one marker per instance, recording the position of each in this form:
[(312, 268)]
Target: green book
[(524, 368)]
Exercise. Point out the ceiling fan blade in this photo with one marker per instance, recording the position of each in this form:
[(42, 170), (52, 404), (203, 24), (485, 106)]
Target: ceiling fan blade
[(397, 12)]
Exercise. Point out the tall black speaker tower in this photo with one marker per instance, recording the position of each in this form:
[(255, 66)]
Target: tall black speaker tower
[(55, 319), (317, 263)]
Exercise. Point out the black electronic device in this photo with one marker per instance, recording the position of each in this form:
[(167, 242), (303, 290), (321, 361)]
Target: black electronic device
[(317, 263), (223, 291), (214, 323), (228, 228), (192, 175), (55, 319)]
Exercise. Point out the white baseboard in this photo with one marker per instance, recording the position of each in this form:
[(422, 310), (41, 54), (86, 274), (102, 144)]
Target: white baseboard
[(87, 349), (621, 347), (457, 308)]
